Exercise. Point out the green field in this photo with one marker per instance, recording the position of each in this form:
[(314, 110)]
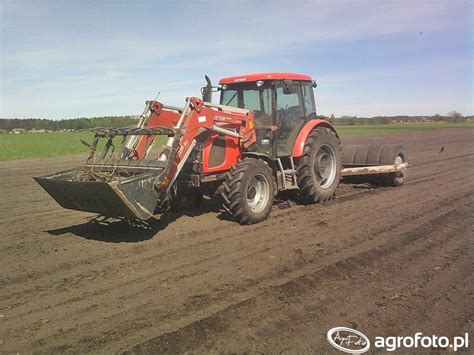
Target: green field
[(376, 129), (32, 145), (29, 145)]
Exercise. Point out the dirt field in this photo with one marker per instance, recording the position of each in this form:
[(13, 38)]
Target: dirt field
[(386, 261)]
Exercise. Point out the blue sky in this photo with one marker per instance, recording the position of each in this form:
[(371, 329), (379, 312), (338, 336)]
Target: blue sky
[(65, 59)]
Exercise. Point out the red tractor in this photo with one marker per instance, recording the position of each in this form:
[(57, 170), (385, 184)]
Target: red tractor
[(264, 137)]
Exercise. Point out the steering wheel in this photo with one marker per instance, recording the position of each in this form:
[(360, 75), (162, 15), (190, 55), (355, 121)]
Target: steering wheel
[(283, 118)]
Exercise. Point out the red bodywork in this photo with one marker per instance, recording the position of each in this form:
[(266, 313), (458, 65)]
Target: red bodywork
[(264, 76), (201, 118), (303, 135), (159, 117), (232, 154)]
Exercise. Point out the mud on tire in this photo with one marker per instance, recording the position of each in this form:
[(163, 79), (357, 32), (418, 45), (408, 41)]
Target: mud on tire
[(249, 190), (318, 170)]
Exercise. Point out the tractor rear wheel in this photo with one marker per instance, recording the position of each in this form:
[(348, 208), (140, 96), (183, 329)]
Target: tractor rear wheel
[(249, 190), (318, 170)]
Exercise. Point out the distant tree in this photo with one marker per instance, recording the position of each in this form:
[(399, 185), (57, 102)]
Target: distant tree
[(455, 116)]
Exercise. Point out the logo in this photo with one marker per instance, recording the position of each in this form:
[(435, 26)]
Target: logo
[(182, 147), (222, 118), (348, 340)]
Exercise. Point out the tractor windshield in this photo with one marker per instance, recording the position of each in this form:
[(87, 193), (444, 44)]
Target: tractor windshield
[(250, 97), (255, 98)]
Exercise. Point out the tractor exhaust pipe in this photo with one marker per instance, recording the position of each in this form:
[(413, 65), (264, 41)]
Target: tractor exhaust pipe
[(206, 91)]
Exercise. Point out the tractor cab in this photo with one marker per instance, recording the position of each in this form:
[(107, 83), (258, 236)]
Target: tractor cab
[(281, 103)]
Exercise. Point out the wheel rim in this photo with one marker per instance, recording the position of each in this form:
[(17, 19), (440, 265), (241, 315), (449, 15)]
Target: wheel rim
[(258, 193), (402, 174), (325, 166)]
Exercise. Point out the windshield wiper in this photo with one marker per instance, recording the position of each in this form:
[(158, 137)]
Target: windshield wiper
[(231, 99)]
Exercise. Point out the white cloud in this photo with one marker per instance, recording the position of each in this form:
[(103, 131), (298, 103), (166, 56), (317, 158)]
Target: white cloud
[(81, 70)]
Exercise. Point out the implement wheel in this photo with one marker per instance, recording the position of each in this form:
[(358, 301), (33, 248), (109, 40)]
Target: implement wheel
[(319, 168), (393, 154), (385, 155), (249, 190)]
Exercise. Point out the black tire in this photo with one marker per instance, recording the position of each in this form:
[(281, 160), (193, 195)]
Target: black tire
[(354, 155), (373, 156), (348, 153), (315, 182), (360, 157), (392, 154), (244, 183), (388, 155)]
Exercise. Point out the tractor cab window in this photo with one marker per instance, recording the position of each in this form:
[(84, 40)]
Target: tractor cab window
[(252, 98), (308, 97), (230, 98), (258, 99), (290, 116)]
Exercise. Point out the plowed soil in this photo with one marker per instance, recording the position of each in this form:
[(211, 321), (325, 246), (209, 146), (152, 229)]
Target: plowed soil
[(386, 261)]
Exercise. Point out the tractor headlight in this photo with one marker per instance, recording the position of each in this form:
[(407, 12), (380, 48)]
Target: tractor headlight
[(259, 83), (224, 87)]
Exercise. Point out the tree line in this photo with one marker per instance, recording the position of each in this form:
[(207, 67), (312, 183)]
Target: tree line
[(452, 116), (123, 121), (68, 124)]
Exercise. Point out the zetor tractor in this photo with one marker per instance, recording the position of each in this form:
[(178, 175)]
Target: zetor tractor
[(264, 137)]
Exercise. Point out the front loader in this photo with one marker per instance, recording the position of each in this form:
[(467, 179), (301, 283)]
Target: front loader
[(264, 137)]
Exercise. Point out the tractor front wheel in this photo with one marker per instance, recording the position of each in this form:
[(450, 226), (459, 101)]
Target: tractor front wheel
[(318, 170), (249, 190)]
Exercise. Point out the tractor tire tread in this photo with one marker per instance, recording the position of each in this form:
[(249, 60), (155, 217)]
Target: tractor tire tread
[(308, 191), (234, 185)]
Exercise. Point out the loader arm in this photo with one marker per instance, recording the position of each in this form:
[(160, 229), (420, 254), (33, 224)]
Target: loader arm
[(131, 185), (196, 117)]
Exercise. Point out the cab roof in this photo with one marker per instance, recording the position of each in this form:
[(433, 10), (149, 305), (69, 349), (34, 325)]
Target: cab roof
[(263, 76)]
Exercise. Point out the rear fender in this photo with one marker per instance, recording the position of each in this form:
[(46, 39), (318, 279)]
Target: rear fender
[(305, 132)]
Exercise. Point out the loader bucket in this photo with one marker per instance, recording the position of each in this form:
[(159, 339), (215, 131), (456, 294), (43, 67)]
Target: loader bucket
[(133, 197)]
